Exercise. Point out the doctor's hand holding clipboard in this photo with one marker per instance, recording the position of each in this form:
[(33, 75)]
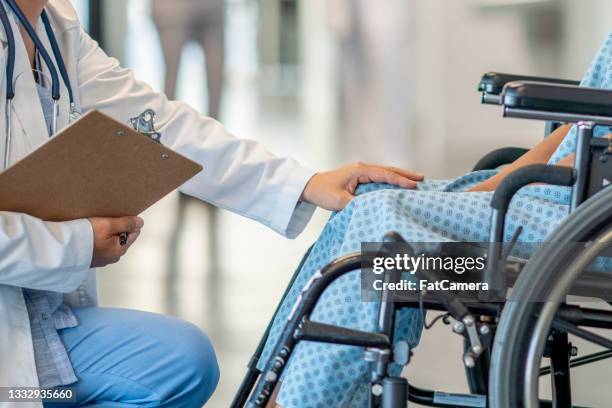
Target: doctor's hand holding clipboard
[(108, 248)]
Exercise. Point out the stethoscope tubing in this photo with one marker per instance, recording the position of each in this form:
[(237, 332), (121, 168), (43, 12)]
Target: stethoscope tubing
[(10, 67), (10, 91), (55, 90), (58, 55), (10, 38)]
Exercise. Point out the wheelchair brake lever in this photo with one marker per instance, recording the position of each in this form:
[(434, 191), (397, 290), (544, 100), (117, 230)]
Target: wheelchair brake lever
[(455, 307), (465, 323), (512, 243)]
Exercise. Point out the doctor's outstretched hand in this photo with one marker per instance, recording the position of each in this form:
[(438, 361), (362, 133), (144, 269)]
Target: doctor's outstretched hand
[(107, 247), (333, 190)]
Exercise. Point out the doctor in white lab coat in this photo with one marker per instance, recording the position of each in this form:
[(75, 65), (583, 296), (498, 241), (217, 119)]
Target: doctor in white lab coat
[(119, 357)]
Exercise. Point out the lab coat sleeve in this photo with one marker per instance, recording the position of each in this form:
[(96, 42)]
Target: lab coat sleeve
[(35, 254), (239, 175)]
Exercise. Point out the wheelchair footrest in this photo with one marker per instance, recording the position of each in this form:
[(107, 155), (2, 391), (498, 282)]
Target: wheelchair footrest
[(326, 333)]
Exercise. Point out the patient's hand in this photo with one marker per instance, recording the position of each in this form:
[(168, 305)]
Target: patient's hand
[(107, 247), (334, 189)]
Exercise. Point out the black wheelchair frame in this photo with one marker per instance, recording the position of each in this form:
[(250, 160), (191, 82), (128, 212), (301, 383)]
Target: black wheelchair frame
[(552, 100)]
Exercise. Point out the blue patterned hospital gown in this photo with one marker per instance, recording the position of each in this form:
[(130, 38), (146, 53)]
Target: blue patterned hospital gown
[(323, 375)]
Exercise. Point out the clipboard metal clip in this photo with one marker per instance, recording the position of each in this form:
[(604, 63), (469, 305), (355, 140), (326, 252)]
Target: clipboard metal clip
[(145, 124)]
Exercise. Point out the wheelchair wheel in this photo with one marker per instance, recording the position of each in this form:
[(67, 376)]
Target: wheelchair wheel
[(527, 319)]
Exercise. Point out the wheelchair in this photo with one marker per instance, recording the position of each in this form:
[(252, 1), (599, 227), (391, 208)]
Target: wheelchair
[(505, 335)]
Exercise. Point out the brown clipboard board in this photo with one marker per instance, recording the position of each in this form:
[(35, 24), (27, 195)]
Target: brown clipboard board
[(96, 167)]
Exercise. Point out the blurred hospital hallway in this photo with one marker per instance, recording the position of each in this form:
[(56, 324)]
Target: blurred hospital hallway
[(281, 87)]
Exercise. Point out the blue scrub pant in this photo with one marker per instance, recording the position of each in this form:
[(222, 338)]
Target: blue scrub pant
[(126, 358)]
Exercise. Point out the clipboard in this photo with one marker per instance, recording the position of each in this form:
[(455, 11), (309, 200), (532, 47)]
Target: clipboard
[(95, 167)]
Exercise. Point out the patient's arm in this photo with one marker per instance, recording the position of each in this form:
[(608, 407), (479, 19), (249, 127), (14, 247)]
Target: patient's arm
[(540, 154), (568, 161)]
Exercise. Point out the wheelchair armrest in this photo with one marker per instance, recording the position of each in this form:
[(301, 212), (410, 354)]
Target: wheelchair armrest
[(558, 99), (535, 173), (493, 82), (499, 157)]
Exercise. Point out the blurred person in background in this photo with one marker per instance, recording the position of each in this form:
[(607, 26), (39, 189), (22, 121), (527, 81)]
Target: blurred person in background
[(179, 23), (200, 21), (374, 71)]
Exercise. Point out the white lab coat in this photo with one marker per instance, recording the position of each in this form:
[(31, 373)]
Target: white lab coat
[(239, 175)]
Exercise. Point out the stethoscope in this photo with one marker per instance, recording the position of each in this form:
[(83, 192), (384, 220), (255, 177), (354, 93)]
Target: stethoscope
[(10, 69)]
